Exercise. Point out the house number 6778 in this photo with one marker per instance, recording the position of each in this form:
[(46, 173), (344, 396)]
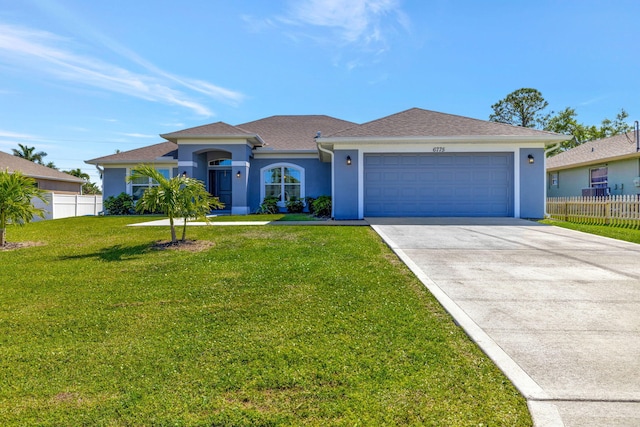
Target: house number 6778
[(438, 149)]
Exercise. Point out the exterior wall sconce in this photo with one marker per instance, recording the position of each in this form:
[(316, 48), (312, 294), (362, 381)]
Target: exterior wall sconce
[(238, 174), (348, 160), (530, 157), (184, 174)]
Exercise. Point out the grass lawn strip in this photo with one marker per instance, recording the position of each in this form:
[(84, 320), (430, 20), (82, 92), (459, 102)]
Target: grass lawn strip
[(274, 326)]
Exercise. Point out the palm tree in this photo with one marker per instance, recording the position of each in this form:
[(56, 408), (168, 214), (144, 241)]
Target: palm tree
[(178, 197), (77, 172), (16, 192), (27, 153)]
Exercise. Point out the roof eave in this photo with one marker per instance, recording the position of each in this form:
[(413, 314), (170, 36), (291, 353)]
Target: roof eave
[(255, 139), (594, 162), (55, 178), (548, 140), (130, 161)]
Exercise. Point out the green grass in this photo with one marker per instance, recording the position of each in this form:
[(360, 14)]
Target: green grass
[(266, 217), (270, 326), (620, 233)]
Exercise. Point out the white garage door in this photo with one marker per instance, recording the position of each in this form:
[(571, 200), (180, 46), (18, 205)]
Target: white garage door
[(438, 184)]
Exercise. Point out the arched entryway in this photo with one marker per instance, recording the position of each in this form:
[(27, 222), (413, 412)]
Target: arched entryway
[(220, 183)]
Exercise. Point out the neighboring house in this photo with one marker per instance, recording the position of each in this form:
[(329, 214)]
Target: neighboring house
[(609, 166), (413, 163), (47, 179)]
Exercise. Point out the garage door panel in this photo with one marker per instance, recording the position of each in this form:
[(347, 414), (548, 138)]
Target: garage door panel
[(453, 184)]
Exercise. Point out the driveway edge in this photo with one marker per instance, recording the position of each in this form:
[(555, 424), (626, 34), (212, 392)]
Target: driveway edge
[(543, 412)]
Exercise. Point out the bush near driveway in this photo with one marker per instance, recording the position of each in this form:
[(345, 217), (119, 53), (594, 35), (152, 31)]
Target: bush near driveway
[(269, 326)]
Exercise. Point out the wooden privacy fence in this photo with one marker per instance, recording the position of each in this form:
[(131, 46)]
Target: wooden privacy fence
[(621, 211)]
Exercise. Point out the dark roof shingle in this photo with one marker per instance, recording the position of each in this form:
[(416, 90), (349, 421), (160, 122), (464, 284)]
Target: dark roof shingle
[(418, 122), (294, 132)]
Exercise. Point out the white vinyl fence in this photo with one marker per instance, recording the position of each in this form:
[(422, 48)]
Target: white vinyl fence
[(68, 205)]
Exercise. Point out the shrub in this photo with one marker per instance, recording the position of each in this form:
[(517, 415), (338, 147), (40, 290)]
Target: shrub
[(269, 206), (294, 205), (322, 206), (122, 204), (309, 202)]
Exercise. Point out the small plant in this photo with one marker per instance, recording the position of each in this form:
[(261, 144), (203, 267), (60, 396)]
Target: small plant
[(122, 204), (309, 202), (269, 206), (294, 205), (322, 206)]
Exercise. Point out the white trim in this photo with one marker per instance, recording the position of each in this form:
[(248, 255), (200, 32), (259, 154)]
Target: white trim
[(187, 163), (285, 154), (280, 165), (504, 139), (404, 150), (516, 184), (239, 163)]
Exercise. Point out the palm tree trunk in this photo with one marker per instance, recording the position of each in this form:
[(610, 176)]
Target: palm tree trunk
[(184, 229), (174, 239)]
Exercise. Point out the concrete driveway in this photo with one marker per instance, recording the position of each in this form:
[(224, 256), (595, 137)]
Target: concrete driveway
[(557, 310)]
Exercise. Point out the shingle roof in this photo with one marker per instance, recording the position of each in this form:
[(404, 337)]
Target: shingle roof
[(418, 122), (212, 129), (294, 132), (615, 147), (149, 154), (34, 170)]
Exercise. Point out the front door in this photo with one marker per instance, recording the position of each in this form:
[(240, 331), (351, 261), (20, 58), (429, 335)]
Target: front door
[(220, 185)]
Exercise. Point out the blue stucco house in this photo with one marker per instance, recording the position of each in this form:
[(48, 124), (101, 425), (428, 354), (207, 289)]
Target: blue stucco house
[(414, 163)]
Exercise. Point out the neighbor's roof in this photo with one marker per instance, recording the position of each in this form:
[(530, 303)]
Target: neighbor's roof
[(26, 167), (417, 122), (149, 154), (608, 149)]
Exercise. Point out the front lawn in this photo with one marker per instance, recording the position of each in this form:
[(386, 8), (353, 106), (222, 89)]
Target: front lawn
[(620, 233), (268, 326)]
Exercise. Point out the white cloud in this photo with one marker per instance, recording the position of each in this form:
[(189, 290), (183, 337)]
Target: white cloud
[(48, 53), (16, 135), (138, 135), (362, 22)]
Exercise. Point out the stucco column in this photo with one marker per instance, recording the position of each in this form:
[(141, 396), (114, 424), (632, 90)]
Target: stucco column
[(240, 171)]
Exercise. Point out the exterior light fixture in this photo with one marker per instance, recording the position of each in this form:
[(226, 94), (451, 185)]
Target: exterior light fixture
[(348, 160), (184, 174), (238, 174), (530, 157)]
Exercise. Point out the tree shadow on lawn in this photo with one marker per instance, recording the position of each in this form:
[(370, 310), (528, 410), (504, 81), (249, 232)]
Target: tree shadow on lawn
[(125, 253), (115, 253)]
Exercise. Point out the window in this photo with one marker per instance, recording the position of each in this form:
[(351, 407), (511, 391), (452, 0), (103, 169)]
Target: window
[(138, 185), (598, 178), (554, 179), (220, 162), (284, 182)]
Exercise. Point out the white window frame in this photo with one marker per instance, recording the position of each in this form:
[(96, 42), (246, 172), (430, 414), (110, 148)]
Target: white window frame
[(150, 182), (599, 184), (554, 179), (299, 168)]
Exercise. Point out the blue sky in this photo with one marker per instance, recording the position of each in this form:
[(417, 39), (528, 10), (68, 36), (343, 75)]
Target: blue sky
[(80, 79)]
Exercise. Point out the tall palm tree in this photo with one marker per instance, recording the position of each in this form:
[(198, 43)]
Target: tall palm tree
[(178, 197), (28, 153), (77, 172), (16, 192)]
